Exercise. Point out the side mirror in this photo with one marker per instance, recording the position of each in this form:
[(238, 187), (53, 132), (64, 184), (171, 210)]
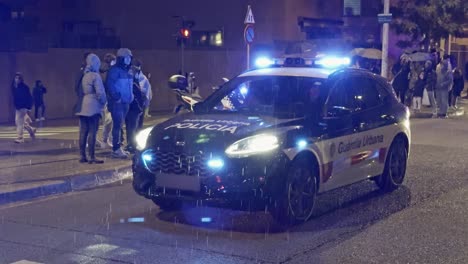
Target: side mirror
[(338, 111), (178, 82)]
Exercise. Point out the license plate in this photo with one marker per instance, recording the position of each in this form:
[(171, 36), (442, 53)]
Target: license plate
[(178, 182)]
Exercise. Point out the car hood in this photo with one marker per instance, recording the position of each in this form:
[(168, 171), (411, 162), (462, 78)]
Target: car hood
[(196, 132)]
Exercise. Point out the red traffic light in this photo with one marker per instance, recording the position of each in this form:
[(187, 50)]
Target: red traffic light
[(185, 33)]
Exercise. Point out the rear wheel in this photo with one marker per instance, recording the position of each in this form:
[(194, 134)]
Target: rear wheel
[(395, 166), (297, 202)]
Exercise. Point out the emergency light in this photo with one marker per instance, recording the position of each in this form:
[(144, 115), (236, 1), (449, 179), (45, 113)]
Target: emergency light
[(318, 62)]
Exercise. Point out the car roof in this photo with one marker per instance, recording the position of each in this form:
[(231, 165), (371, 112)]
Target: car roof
[(291, 71)]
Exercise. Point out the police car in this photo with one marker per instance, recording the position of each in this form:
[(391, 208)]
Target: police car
[(278, 135)]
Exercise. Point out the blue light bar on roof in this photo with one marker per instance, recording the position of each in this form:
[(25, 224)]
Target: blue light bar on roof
[(333, 62), (264, 62)]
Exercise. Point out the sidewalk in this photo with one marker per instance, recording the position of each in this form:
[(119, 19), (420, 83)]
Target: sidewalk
[(426, 112), (49, 165)]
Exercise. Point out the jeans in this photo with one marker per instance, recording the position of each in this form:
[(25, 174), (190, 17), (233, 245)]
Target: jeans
[(432, 101), (132, 121), (442, 102), (417, 101), (107, 125), (36, 110), (141, 120), (88, 130), (118, 112), (21, 123)]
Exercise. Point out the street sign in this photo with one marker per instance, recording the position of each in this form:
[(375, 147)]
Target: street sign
[(384, 18), (249, 18), (249, 34)]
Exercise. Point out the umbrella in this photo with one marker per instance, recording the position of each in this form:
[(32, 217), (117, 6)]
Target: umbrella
[(356, 51), (374, 54), (419, 56)]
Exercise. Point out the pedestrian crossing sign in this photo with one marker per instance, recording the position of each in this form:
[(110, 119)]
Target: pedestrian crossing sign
[(249, 18)]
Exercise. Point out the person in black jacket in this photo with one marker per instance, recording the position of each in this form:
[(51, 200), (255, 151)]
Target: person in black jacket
[(38, 94), (458, 86), (418, 92), (134, 114), (23, 100)]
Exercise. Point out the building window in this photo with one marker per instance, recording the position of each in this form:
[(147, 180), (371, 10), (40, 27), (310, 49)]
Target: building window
[(352, 7), (17, 14)]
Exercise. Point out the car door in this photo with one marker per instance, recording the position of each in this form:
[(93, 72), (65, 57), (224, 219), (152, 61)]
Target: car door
[(369, 125), (339, 138)]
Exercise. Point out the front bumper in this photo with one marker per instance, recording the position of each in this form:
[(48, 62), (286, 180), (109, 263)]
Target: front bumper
[(254, 178)]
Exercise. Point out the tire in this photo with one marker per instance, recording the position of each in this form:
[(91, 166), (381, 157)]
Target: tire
[(395, 167), (168, 205), (297, 202)]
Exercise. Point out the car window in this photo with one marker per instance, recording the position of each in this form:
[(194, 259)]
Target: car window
[(340, 101), (279, 96), (365, 93)]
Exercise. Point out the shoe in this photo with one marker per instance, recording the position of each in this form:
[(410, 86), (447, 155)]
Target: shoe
[(37, 119), (95, 161), (33, 133), (130, 150), (109, 142), (83, 160), (101, 144), (19, 140), (119, 154), (42, 118)]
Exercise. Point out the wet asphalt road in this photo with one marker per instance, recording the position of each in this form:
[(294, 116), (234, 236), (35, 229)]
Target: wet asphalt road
[(425, 221)]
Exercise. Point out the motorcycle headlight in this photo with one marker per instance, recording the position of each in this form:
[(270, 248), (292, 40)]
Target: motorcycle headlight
[(252, 145), (142, 137)]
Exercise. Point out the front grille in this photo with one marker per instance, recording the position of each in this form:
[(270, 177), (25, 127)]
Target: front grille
[(177, 163)]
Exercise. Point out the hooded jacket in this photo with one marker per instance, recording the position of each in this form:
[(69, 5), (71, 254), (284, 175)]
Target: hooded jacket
[(119, 84), (22, 97), (444, 77), (93, 93)]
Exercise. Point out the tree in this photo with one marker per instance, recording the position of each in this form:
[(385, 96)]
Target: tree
[(428, 21)]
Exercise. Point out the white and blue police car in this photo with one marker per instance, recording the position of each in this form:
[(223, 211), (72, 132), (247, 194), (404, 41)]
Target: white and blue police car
[(278, 135)]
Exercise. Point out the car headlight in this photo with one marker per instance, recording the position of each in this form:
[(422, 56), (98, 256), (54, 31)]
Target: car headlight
[(142, 137), (252, 145)]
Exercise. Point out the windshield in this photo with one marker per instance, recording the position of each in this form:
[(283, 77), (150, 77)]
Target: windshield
[(278, 96)]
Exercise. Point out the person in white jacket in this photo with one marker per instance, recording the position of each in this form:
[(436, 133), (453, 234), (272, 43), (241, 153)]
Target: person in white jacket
[(145, 86), (93, 99)]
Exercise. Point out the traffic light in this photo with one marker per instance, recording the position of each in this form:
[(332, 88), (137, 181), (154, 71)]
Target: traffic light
[(185, 33)]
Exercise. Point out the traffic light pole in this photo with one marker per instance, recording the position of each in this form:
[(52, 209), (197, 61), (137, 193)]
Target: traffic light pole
[(182, 57)]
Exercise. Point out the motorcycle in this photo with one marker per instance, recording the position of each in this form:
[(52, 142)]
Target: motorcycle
[(187, 95)]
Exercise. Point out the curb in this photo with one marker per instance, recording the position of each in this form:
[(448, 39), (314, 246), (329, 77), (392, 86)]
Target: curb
[(69, 184), (429, 115)]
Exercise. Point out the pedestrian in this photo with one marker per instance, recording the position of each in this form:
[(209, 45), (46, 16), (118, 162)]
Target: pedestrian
[(145, 87), (430, 84), (38, 94), (92, 104), (443, 86), (106, 141), (418, 92), (458, 86), (401, 82), (23, 101), (78, 79), (135, 113), (120, 87), (147, 114)]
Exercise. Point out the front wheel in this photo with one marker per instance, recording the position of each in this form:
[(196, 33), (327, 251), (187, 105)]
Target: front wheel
[(297, 202), (395, 167)]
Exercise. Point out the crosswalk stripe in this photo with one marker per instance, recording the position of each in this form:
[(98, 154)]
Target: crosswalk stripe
[(26, 262)]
